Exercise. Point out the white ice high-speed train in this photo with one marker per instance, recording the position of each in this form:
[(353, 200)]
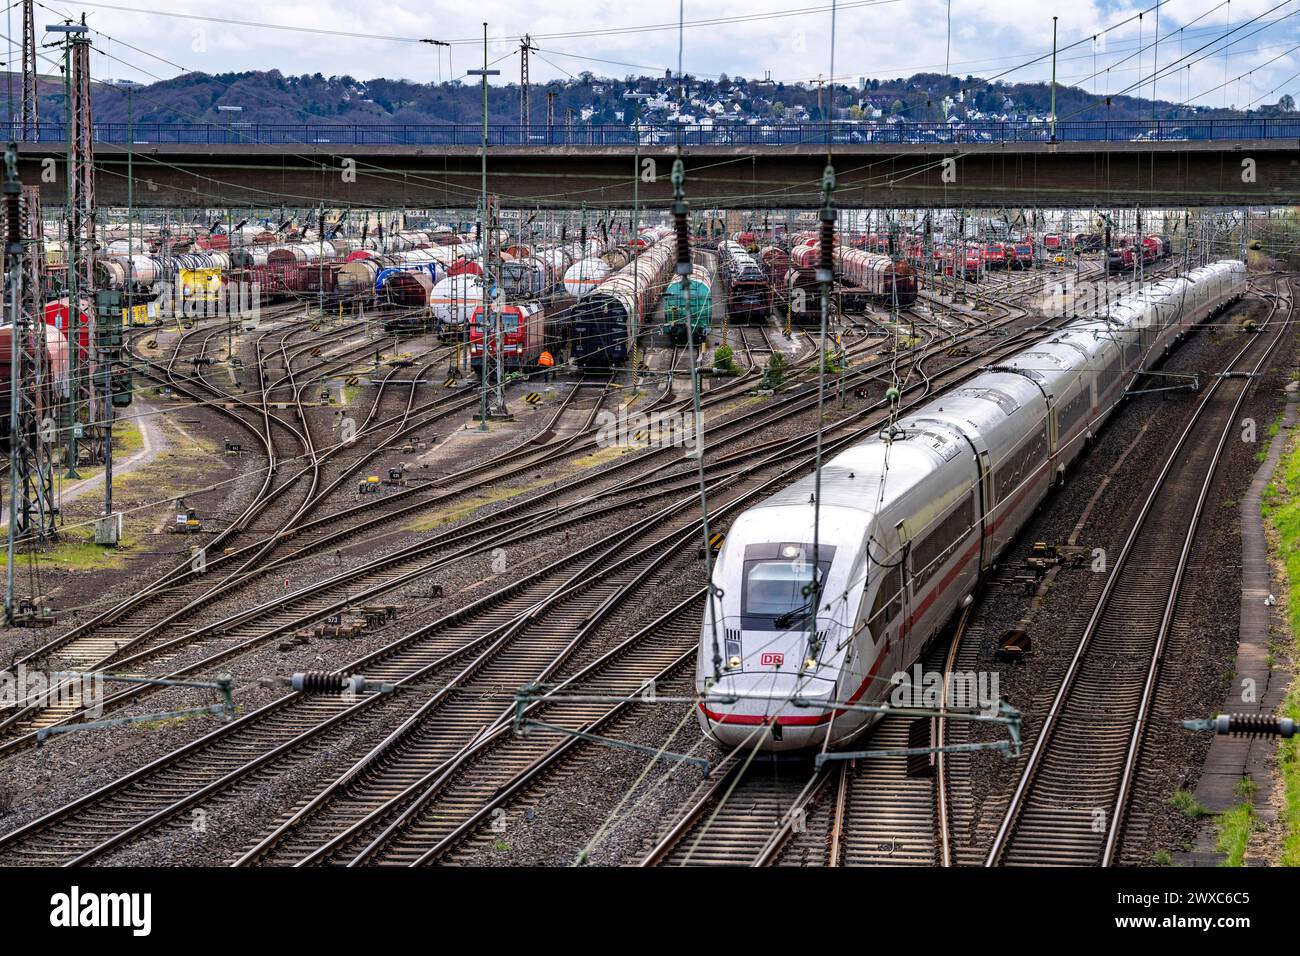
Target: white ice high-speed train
[(908, 525)]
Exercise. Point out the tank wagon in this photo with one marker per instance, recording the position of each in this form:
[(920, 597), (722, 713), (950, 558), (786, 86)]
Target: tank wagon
[(700, 307), (867, 277), (603, 320), (56, 351), (452, 301), (585, 276)]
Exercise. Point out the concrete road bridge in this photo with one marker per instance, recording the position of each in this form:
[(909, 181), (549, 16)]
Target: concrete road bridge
[(1216, 163)]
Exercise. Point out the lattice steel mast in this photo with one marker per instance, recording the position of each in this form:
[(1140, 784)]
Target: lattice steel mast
[(80, 235), (525, 45), (29, 115), (31, 473)]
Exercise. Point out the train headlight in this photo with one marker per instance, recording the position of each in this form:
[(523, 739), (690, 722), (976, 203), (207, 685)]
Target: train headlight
[(810, 664), (733, 663)]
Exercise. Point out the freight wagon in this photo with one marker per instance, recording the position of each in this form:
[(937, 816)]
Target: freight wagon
[(451, 303), (700, 307), (868, 277), (603, 320), (745, 283)]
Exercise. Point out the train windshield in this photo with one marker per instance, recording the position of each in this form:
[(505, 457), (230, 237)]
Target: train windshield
[(509, 323), (776, 588)]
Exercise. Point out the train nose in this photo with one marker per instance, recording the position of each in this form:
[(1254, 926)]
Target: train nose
[(785, 709)]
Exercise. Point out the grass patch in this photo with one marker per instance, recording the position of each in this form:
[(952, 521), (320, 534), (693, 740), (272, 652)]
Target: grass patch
[(466, 507), (598, 458), (830, 362), (1235, 826), (1283, 490), (1281, 510), (350, 394), (128, 437), (1289, 763), (1185, 802), (76, 551)]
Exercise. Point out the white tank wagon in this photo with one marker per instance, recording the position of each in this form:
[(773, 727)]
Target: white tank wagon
[(453, 300), (585, 276), (910, 522), (603, 320), (126, 247), (301, 252), (408, 239), (130, 273)]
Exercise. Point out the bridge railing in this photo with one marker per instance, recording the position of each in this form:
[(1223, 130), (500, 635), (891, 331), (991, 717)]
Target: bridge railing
[(671, 135)]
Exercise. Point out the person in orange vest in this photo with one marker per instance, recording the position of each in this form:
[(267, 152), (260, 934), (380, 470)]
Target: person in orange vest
[(546, 361)]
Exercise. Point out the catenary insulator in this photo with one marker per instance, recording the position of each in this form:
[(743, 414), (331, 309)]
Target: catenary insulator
[(826, 260), (1254, 725)]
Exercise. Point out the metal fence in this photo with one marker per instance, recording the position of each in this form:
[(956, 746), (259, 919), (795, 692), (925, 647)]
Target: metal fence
[(671, 135)]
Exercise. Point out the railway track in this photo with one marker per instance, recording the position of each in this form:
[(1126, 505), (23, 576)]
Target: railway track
[(496, 641), (760, 811), (426, 841)]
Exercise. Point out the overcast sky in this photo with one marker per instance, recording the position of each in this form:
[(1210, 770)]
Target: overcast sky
[(874, 38)]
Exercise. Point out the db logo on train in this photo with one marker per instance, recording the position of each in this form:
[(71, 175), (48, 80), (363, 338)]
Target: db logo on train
[(772, 660)]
